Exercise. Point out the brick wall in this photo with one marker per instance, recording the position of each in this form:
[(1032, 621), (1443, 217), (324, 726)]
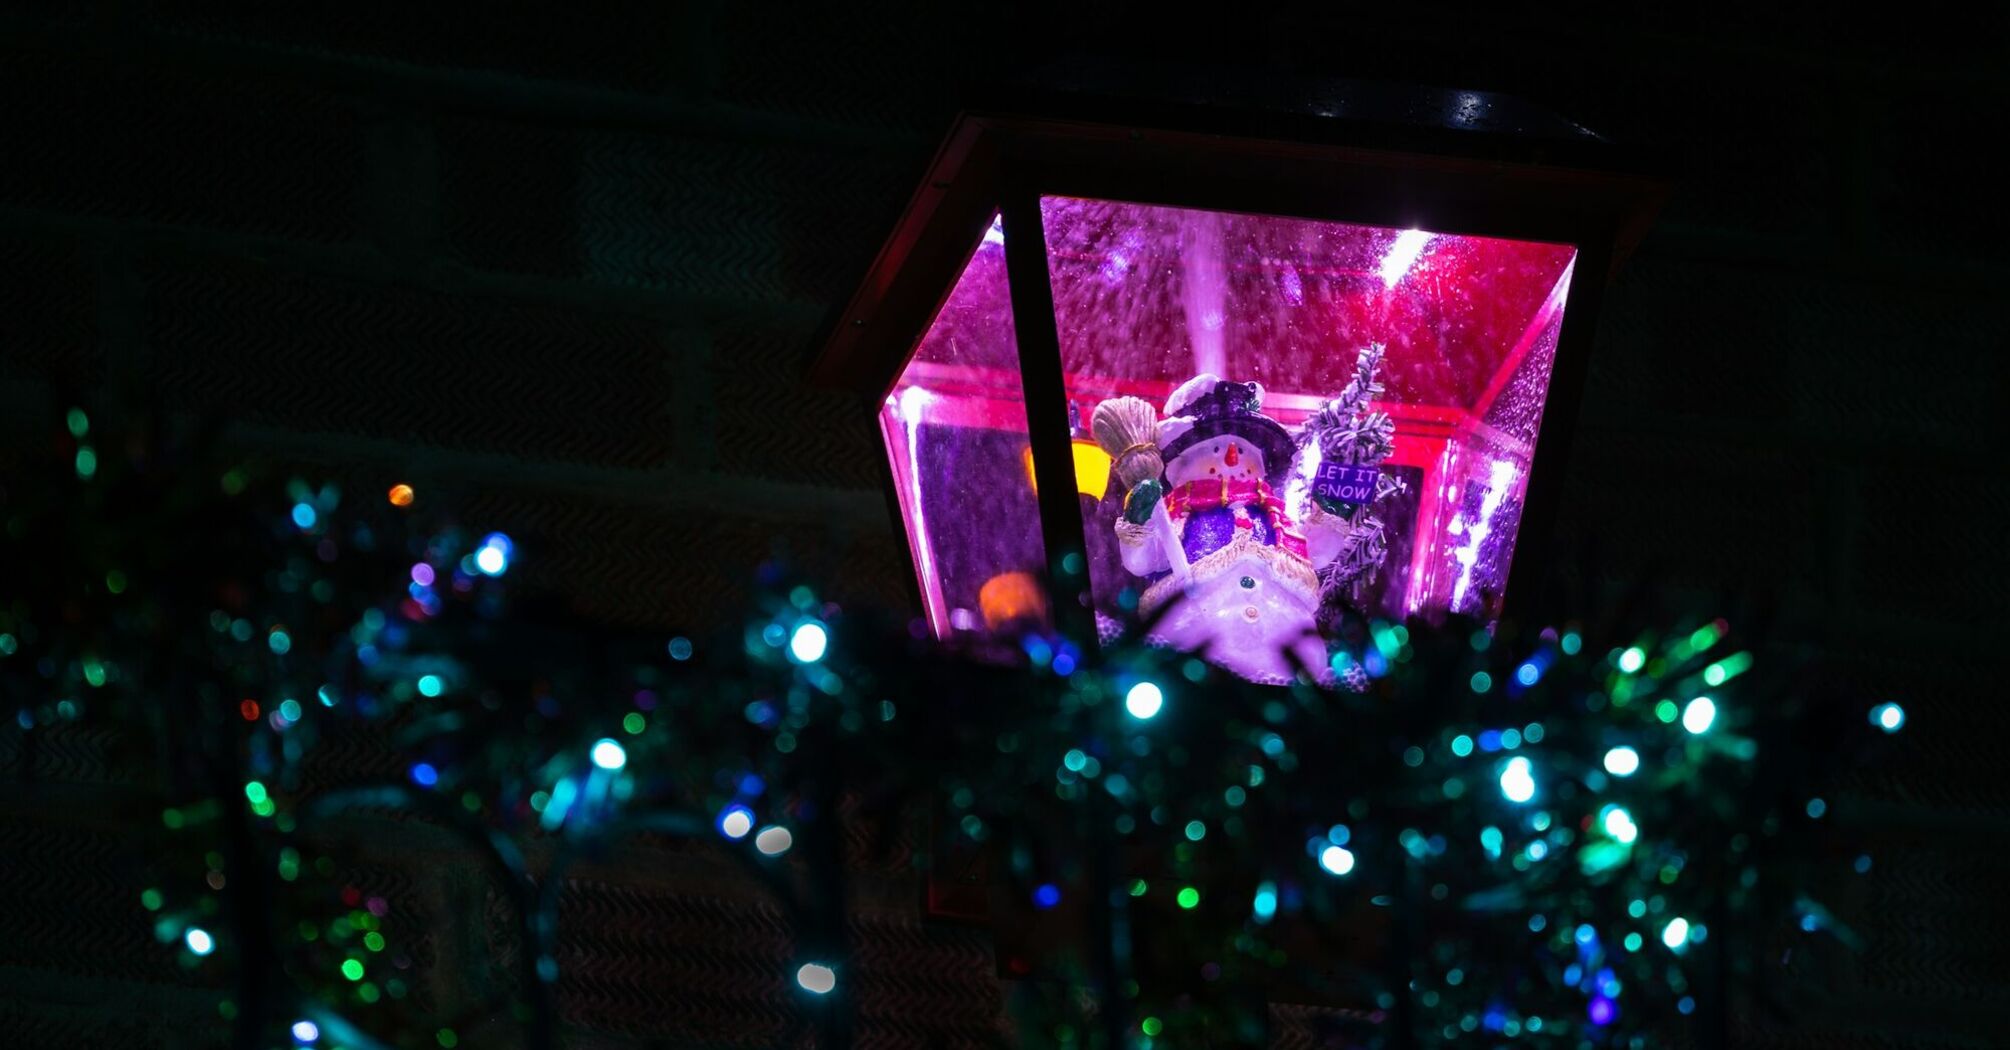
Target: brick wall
[(564, 262)]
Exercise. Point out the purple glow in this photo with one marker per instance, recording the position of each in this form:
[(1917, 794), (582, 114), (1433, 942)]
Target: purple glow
[(1146, 297), (954, 428), (1603, 1011)]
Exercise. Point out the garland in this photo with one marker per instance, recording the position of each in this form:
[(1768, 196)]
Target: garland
[(1571, 835)]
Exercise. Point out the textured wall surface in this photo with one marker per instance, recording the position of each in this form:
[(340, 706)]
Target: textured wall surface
[(565, 260)]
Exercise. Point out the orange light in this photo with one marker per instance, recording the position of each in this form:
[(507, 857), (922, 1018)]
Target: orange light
[(1011, 597), (1092, 469), (401, 495)]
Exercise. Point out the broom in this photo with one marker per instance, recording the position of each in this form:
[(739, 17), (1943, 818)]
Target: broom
[(1127, 428)]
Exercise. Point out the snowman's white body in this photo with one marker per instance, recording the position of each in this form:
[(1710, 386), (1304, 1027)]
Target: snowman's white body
[(1244, 605)]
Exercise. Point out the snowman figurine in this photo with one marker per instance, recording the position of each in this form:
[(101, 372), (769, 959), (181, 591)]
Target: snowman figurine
[(1239, 579)]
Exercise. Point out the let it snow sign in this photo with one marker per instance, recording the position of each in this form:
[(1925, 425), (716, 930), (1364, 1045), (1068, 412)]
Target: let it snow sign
[(1350, 485)]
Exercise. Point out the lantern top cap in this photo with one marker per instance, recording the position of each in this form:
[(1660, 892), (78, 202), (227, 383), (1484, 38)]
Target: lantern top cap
[(1286, 105)]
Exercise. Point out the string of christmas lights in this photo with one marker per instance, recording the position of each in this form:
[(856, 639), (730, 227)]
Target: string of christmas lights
[(1569, 836)]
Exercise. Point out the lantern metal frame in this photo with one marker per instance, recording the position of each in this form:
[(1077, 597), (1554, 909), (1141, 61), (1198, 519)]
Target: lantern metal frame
[(1464, 163)]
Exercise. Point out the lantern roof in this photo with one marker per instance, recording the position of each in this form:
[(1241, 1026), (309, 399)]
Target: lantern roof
[(1291, 105)]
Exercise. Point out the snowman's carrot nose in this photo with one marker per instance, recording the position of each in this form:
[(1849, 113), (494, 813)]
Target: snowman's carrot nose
[(1234, 454)]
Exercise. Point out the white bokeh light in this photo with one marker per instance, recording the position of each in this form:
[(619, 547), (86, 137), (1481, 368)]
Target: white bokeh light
[(1144, 700)]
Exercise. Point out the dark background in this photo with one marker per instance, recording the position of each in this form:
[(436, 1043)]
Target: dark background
[(563, 263)]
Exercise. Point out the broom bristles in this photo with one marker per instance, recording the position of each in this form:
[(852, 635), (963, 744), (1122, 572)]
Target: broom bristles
[(1127, 428)]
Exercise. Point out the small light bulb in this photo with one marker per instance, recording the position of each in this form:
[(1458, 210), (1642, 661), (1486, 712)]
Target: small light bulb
[(1699, 715), (1144, 700), (609, 754), (1618, 823), (816, 978), (809, 642), (736, 822), (1517, 781), (774, 840)]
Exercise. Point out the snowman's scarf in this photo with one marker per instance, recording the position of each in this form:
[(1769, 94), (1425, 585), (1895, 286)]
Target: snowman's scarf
[(1247, 492)]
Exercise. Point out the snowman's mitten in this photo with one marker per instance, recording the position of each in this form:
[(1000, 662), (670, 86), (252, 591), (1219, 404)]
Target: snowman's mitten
[(1138, 502), (1333, 506)]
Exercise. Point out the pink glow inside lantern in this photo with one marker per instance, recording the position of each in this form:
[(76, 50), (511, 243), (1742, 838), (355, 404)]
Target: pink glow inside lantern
[(1148, 297)]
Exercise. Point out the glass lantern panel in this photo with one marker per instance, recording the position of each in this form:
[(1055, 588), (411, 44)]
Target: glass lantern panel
[(1253, 521), (955, 430)]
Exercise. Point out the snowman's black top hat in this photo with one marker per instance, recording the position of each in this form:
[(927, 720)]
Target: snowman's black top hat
[(1234, 410)]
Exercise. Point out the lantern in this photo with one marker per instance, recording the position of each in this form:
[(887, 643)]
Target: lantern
[(1332, 351)]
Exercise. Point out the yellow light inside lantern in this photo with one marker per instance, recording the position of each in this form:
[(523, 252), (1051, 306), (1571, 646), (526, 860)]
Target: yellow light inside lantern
[(1092, 469)]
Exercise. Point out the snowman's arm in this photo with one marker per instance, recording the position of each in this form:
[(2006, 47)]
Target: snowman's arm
[(1325, 533), (1143, 552)]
